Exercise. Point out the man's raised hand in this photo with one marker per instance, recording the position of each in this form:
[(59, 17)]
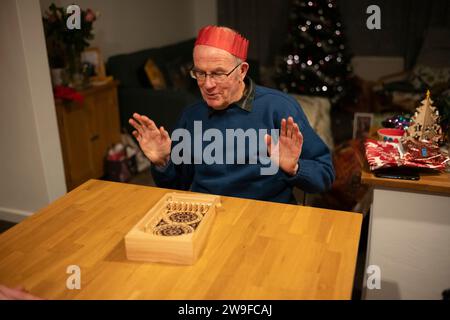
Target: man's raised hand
[(154, 142), (289, 147)]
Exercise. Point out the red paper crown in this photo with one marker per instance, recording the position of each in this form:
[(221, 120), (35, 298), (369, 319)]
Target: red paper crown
[(224, 39)]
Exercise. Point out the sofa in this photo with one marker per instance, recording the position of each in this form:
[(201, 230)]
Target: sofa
[(135, 91), (163, 105)]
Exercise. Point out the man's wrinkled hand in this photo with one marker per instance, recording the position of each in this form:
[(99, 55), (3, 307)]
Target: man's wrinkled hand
[(154, 142), (288, 149)]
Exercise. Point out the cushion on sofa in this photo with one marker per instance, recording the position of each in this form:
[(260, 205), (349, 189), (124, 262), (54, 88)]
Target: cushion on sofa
[(154, 75), (178, 73), (317, 110)]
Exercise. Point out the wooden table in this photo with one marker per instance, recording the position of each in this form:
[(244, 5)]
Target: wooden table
[(256, 250), (409, 236)]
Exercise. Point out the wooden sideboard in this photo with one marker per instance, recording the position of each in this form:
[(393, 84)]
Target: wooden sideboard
[(86, 131)]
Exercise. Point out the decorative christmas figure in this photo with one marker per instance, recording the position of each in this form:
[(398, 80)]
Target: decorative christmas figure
[(425, 122)]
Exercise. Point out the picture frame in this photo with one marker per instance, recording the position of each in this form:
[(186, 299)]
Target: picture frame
[(362, 123), (94, 57)]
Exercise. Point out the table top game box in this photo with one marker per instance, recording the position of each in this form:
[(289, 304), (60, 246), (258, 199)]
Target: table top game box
[(174, 230)]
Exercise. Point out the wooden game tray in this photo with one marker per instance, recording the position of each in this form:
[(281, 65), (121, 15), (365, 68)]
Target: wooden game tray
[(174, 230)]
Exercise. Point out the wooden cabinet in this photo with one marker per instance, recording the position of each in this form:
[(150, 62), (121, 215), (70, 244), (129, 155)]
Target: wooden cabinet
[(86, 131)]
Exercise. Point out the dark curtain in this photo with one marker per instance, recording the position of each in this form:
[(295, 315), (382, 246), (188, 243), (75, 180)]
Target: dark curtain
[(424, 15), (263, 22), (403, 25)]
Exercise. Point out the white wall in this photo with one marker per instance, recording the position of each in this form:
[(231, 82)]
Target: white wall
[(205, 12), (409, 235), (31, 166), (127, 26)]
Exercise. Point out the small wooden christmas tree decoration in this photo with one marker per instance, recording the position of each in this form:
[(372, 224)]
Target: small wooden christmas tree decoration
[(425, 122)]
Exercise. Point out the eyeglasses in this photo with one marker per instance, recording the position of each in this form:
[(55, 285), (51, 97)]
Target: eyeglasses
[(200, 76)]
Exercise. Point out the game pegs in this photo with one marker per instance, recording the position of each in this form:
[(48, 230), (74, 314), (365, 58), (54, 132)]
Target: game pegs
[(186, 206), (203, 207)]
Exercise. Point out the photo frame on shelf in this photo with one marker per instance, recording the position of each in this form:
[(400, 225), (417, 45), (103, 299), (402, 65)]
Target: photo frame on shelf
[(94, 58), (362, 122)]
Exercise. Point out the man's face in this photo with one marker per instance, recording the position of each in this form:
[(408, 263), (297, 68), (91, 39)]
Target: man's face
[(219, 95)]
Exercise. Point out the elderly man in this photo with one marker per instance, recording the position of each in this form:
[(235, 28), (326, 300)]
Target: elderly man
[(232, 107)]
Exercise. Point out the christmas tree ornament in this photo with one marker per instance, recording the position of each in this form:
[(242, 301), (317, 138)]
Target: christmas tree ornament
[(425, 122)]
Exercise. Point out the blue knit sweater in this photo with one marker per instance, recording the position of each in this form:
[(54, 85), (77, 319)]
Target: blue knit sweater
[(315, 173)]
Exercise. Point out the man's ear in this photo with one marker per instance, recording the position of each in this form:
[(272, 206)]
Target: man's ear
[(244, 69)]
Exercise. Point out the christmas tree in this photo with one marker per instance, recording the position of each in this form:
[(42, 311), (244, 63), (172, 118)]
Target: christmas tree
[(314, 60), (425, 122)]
